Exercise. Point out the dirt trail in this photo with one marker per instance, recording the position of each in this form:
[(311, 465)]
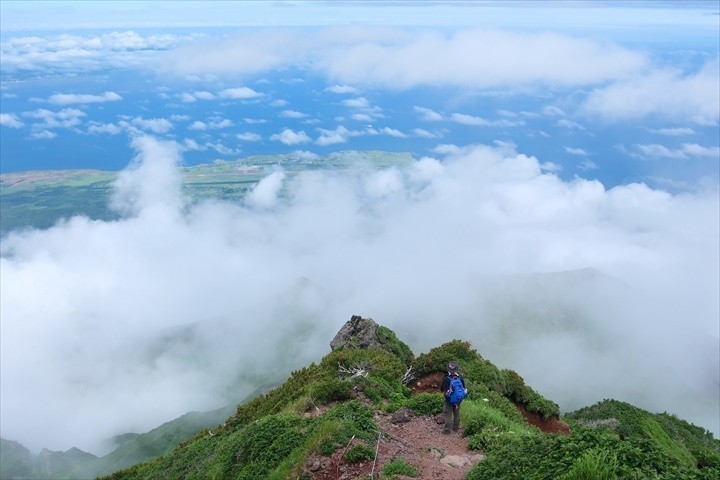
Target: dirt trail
[(419, 442)]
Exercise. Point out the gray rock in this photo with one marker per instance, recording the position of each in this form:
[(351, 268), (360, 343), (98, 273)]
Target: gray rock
[(357, 332), (402, 416)]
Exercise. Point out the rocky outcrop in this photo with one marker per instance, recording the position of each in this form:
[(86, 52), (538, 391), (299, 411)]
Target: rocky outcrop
[(357, 332)]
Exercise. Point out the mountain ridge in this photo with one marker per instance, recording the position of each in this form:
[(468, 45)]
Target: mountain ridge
[(334, 420)]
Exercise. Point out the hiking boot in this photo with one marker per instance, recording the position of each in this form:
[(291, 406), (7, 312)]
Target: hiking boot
[(455, 428), (446, 431)]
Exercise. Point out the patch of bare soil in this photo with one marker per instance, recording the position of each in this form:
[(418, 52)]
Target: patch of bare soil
[(551, 425), (430, 383), (419, 442)]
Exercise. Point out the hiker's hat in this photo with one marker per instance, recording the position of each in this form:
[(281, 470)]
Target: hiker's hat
[(452, 367)]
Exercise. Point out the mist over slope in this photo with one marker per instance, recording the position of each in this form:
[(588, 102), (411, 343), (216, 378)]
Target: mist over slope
[(109, 327)]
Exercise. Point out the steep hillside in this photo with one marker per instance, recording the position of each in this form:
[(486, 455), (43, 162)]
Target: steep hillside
[(371, 409), (17, 462)]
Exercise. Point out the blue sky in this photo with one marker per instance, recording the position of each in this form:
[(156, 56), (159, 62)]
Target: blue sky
[(580, 85), (549, 137)]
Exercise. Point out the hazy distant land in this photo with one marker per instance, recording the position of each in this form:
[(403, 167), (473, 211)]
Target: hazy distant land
[(38, 199)]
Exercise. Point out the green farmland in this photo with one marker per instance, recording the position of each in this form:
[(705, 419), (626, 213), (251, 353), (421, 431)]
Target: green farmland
[(39, 199)]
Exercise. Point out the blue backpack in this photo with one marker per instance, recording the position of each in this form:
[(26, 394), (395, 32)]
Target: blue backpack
[(456, 392)]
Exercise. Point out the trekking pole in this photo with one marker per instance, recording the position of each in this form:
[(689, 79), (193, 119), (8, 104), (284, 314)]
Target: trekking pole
[(377, 447)]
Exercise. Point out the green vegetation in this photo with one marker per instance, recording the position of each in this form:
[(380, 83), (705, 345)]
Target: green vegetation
[(483, 378), (684, 443), (392, 344), (332, 405), (17, 462), (541, 456), (399, 467), (624, 442), (425, 403), (38, 199), (360, 453)]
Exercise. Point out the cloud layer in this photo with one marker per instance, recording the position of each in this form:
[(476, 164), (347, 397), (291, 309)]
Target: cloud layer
[(396, 59), (123, 325)]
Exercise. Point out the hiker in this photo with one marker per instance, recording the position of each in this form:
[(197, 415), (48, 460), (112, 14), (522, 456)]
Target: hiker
[(453, 386)]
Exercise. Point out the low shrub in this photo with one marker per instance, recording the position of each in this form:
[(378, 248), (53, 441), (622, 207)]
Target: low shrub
[(392, 344), (536, 457), (479, 416), (359, 453), (474, 369), (356, 416), (399, 467), (490, 438), (331, 390), (378, 363), (426, 403), (595, 463)]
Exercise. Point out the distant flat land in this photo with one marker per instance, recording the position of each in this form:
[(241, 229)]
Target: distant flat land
[(39, 199)]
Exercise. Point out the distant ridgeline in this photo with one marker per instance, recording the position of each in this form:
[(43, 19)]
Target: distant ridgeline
[(330, 419), (38, 199)]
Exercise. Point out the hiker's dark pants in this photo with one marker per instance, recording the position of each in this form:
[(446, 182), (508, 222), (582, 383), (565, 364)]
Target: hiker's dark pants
[(452, 416)]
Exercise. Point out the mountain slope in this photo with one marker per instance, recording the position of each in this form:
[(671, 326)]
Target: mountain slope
[(370, 408), (17, 462)]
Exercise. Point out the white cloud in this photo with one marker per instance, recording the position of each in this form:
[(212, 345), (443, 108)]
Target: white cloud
[(42, 135), (222, 149), (265, 193), (76, 54), (359, 102), (70, 98), (155, 125), (672, 132), (587, 165), (248, 137), (212, 124), (109, 128), (342, 134), (470, 228), (341, 89), (191, 145), (360, 117), (427, 114), (472, 120), (686, 150), (290, 137), (576, 151), (498, 59), (292, 114), (401, 59), (304, 155), (331, 137), (393, 132), (198, 125), (553, 111), (667, 94), (422, 133), (190, 97), (550, 167), (254, 121), (10, 120), (65, 118), (569, 124), (280, 102), (239, 93), (695, 150)]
